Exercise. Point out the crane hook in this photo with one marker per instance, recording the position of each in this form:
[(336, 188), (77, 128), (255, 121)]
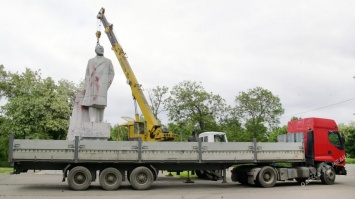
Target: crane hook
[(98, 35)]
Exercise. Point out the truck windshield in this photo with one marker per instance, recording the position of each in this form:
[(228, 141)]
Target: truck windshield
[(219, 138)]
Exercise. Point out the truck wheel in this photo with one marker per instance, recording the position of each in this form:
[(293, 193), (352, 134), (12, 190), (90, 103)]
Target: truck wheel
[(141, 178), (110, 178), (266, 177), (79, 178), (327, 175)]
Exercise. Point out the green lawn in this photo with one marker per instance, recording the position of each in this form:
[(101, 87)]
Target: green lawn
[(182, 174), (5, 170), (350, 161)]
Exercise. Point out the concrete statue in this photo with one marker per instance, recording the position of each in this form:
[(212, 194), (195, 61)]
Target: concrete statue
[(88, 111)]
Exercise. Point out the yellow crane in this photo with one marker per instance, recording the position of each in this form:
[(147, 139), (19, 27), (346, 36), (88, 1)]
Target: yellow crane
[(136, 128)]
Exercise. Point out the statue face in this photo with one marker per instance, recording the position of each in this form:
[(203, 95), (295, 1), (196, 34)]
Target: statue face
[(99, 49)]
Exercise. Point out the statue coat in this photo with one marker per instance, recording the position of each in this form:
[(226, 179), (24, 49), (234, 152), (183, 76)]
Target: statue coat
[(98, 78)]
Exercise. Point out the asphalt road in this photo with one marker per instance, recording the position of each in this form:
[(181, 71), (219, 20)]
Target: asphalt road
[(38, 185)]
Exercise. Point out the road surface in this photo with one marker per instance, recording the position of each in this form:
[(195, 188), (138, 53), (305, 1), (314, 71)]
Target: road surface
[(43, 185)]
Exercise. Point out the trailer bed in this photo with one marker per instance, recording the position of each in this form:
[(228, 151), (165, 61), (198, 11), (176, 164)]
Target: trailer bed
[(64, 151)]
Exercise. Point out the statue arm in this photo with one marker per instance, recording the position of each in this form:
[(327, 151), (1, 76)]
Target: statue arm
[(111, 74)]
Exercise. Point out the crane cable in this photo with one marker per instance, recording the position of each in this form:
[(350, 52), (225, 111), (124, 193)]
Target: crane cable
[(98, 32)]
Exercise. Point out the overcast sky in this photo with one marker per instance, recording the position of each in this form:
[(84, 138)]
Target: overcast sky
[(302, 51)]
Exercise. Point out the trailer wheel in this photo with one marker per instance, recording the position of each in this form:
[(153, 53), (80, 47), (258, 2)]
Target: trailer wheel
[(128, 176), (79, 178), (110, 178), (266, 177), (141, 178), (327, 175)]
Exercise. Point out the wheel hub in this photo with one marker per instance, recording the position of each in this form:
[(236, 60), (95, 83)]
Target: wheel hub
[(330, 174), (79, 178), (111, 178), (267, 177), (141, 178)]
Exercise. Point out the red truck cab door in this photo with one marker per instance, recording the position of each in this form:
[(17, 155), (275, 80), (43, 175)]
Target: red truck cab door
[(336, 148)]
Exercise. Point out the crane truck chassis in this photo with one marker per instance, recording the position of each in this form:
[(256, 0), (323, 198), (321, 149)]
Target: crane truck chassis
[(140, 161)]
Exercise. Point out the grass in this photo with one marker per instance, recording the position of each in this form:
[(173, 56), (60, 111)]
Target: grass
[(350, 160), (5, 170), (183, 174)]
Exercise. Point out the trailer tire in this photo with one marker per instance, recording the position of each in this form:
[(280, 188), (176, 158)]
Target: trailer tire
[(141, 178), (110, 179), (128, 176), (79, 178), (327, 175), (266, 177)]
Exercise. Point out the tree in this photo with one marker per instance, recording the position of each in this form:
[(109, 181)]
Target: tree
[(231, 125), (190, 102), (295, 118), (70, 89), (349, 133), (272, 137), (36, 107), (119, 133), (156, 98), (3, 81), (258, 107)]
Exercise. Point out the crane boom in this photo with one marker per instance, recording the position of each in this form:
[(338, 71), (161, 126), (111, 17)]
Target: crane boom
[(154, 130)]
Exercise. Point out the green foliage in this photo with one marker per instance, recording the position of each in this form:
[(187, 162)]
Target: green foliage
[(350, 143), (190, 102), (272, 137), (349, 134), (35, 107), (119, 133), (258, 107), (184, 129), (295, 118), (4, 139)]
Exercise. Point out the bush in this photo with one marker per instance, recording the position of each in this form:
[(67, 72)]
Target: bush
[(4, 163)]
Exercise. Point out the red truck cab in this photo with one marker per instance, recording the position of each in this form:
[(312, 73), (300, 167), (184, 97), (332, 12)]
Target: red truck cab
[(323, 142)]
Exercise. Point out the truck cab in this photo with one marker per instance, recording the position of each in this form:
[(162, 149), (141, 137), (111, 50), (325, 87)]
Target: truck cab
[(213, 137), (322, 140)]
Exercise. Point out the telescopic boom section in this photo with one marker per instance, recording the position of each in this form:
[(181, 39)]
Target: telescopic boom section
[(155, 131)]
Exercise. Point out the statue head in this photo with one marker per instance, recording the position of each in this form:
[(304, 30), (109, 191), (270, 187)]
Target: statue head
[(99, 50)]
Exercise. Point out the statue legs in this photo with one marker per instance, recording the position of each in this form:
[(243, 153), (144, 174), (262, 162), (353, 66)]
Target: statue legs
[(96, 114)]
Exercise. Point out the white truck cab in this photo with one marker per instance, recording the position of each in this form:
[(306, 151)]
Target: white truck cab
[(213, 137)]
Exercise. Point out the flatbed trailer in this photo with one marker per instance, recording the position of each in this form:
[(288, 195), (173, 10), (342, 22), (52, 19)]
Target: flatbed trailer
[(80, 160)]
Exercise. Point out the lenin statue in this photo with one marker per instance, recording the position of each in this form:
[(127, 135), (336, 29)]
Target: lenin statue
[(98, 78)]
